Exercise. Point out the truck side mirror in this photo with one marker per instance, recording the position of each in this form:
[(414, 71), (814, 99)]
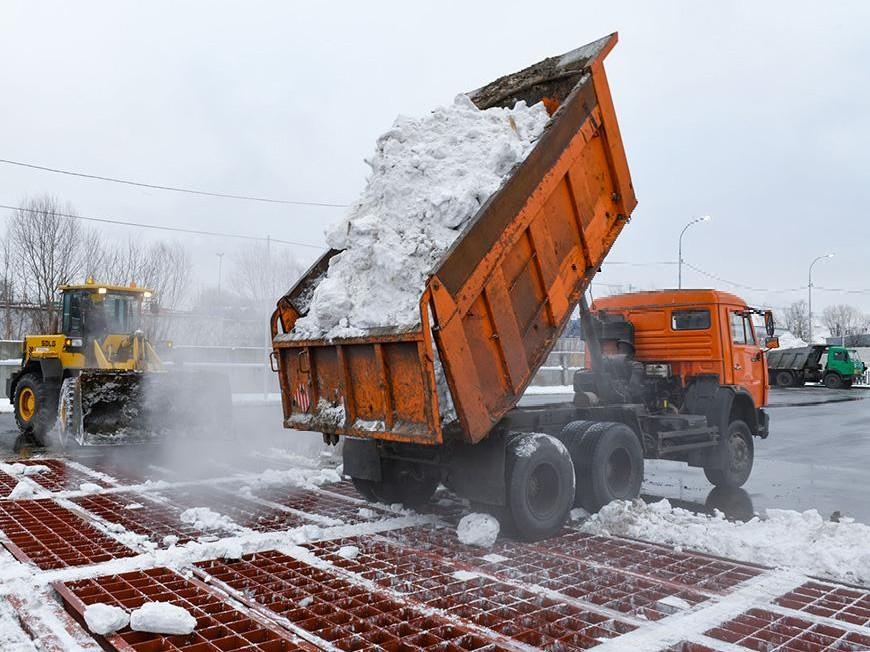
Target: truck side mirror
[(771, 343), (769, 324)]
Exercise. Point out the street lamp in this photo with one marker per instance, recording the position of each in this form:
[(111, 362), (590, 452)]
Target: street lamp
[(810, 292), (703, 218)]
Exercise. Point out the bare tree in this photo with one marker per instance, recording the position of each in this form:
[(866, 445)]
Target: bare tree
[(46, 250), (843, 319), (796, 318), (263, 277)]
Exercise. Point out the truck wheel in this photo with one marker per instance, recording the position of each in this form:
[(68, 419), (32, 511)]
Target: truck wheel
[(833, 381), (785, 379), (402, 482), (848, 383), (608, 460), (739, 453), (35, 407), (540, 485), (574, 432)]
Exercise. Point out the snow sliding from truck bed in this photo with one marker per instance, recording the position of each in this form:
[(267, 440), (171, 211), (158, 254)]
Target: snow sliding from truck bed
[(430, 175)]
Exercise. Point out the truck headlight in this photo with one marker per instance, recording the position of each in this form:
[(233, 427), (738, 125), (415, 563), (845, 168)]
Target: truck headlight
[(657, 370), (74, 342)]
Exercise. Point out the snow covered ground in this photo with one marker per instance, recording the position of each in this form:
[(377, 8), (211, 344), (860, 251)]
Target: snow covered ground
[(215, 527)]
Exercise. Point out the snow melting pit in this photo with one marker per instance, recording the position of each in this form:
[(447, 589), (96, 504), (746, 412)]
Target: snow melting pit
[(848, 605), (340, 613), (46, 534), (218, 626), (317, 503), (758, 629)]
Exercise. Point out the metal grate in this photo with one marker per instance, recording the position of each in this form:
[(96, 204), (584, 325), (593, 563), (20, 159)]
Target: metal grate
[(42, 532), (151, 518), (318, 502), (849, 605), (758, 629), (219, 625), (61, 477), (688, 646), (244, 512), (344, 615), (521, 614)]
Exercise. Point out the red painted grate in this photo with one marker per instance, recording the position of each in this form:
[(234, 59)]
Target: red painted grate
[(153, 519), (50, 536), (656, 562), (60, 476), (347, 616), (242, 511), (766, 631), (839, 603), (512, 611), (7, 484), (318, 502), (688, 646), (219, 625), (124, 467)]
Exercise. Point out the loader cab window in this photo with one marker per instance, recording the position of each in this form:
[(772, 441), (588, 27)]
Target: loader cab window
[(113, 313), (690, 320), (72, 314), (741, 329)]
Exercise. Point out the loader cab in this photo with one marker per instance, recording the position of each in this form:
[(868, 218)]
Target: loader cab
[(93, 312)]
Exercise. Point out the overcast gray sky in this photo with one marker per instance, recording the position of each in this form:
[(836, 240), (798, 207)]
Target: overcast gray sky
[(755, 113)]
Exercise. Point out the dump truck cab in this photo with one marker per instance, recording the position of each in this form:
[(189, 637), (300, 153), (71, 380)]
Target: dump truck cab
[(683, 336), (837, 367)]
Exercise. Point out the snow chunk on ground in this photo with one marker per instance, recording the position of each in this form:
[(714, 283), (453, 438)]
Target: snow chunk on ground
[(674, 602), (578, 514), (478, 530), (202, 518), (801, 541), (162, 618), (104, 619), (348, 552), (493, 558), (25, 469), (90, 487), (429, 176), (465, 576), (22, 490)]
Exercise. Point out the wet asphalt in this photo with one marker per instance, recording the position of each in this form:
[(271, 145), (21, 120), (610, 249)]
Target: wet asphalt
[(816, 457)]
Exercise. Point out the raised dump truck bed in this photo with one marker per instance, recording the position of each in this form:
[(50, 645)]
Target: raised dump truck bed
[(498, 299)]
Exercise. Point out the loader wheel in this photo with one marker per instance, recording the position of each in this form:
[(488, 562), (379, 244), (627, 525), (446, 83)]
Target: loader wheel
[(539, 477), (738, 453), (35, 407), (410, 484), (608, 460), (785, 379), (833, 381)]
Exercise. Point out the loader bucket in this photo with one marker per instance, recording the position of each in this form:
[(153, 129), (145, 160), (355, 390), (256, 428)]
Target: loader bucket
[(111, 407)]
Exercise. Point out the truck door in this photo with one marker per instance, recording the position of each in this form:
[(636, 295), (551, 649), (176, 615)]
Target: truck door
[(746, 357)]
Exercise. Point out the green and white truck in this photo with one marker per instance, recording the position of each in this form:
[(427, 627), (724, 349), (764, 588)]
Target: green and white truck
[(798, 366)]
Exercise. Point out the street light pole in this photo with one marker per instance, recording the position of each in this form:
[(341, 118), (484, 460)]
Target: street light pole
[(220, 271), (810, 292), (703, 218)]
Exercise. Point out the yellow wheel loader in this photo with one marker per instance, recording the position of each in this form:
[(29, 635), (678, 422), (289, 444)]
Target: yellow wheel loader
[(101, 381)]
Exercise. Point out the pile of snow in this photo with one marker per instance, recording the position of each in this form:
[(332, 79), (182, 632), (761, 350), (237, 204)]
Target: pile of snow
[(788, 341), (478, 530), (17, 468), (801, 541), (348, 552), (90, 488), (104, 618), (202, 518), (429, 176), (162, 618), (23, 490)]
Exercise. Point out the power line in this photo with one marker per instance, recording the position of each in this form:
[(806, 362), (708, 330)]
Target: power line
[(176, 229), (155, 186)]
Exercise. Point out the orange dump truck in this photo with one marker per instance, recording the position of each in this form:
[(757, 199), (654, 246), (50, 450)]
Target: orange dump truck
[(490, 313)]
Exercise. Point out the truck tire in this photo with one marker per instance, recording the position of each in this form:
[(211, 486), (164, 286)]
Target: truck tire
[(785, 379), (35, 407), (833, 380), (739, 454), (410, 484), (574, 432), (540, 485), (848, 384), (608, 461)]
